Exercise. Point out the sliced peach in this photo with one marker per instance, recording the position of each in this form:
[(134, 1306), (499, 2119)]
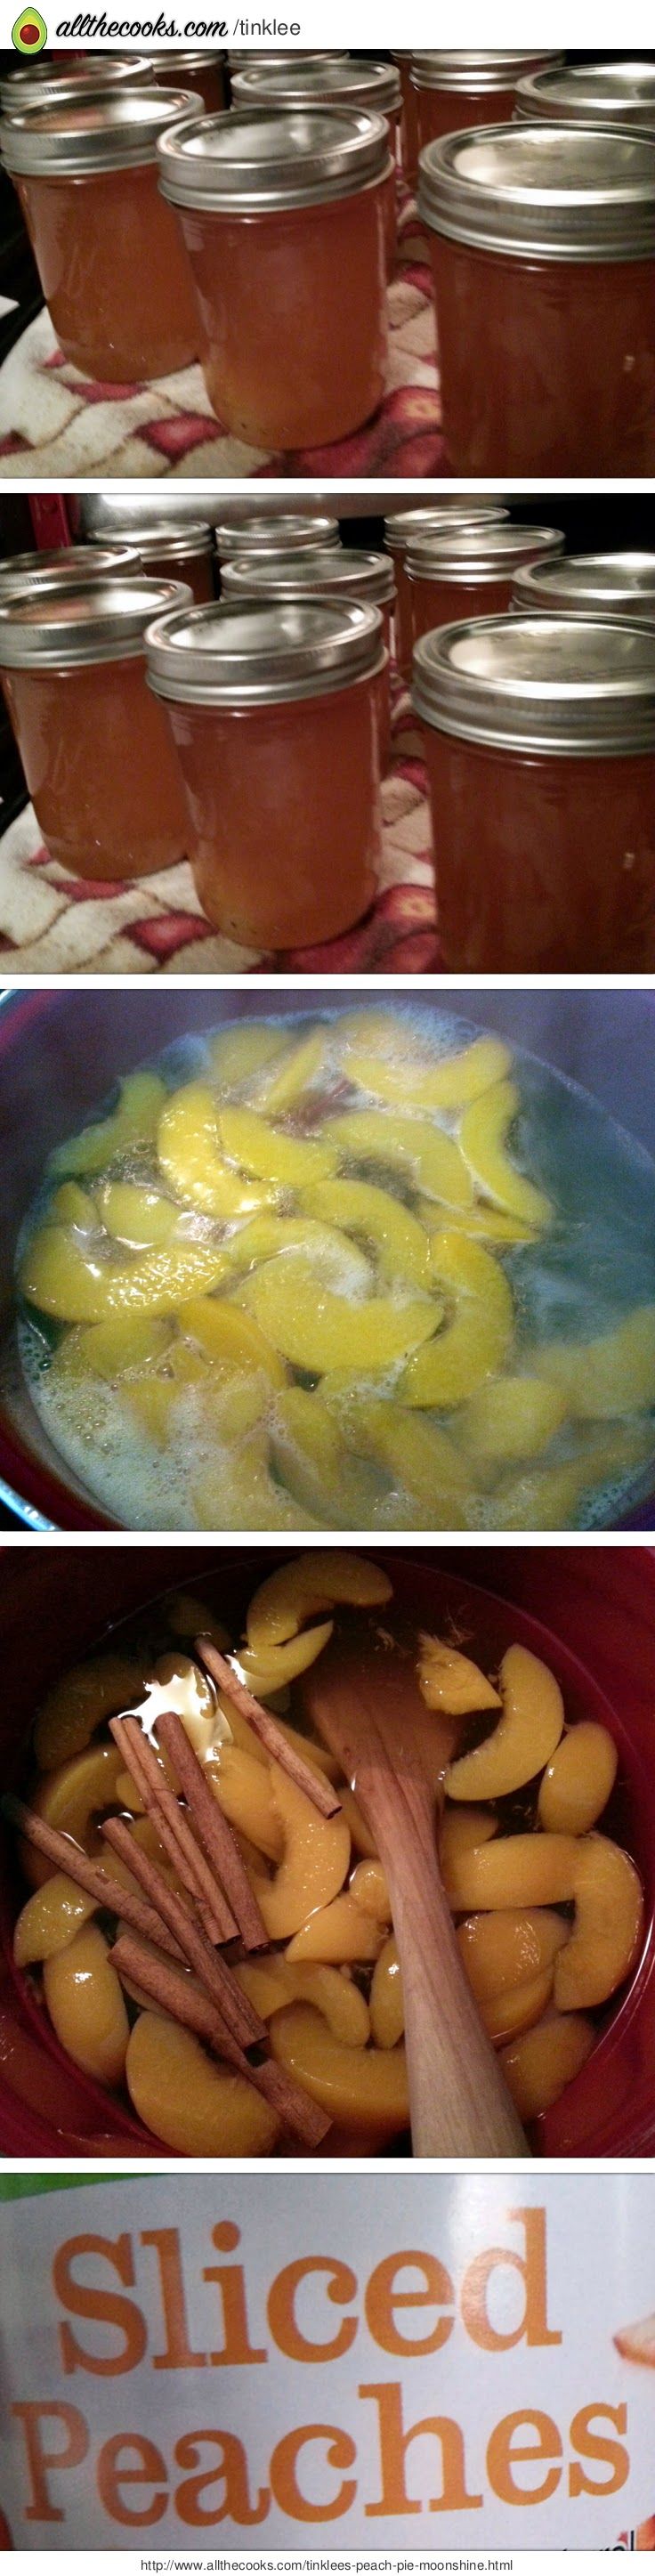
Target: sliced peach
[(79, 1703), (515, 1870), (415, 1145), (85, 2003), (244, 1790), (196, 2106), (340, 1933), (382, 1223), (449, 1680), (69, 1799), (447, 1083), (609, 1917), (309, 1585), (270, 1669), (473, 1345), (231, 1338), (363, 2087), (311, 1457), (463, 1829), (272, 1154), (539, 2063), (273, 1982), (579, 1780), (387, 2003), (513, 1418), (369, 1886), (505, 1950), (518, 2009), (282, 1082), (317, 1330), (314, 1863), (483, 1137), (188, 1148), (610, 1376), (525, 1737), (134, 1121), (50, 1919)]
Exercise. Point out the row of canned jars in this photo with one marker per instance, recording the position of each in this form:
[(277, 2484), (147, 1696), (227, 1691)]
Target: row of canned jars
[(238, 229), (250, 735)]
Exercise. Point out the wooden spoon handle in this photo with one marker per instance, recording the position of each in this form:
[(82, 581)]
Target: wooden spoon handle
[(459, 2101)]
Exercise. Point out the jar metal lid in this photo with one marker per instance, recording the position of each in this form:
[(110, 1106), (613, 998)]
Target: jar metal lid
[(579, 687), (176, 64), (29, 82), (103, 619), (567, 192), (618, 93), (618, 585), (234, 656), (163, 537), (486, 71), (292, 532), (104, 130), (352, 81), (344, 570), (64, 568), (258, 160), (488, 554), (405, 525)]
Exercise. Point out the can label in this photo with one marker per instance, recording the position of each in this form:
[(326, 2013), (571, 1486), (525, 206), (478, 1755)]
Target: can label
[(382, 2357)]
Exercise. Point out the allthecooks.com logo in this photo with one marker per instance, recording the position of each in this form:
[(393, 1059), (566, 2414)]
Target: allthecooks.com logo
[(29, 33)]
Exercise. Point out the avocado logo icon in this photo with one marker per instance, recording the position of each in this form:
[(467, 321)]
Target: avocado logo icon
[(29, 34)]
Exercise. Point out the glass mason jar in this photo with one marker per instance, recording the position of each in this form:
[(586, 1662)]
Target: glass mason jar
[(353, 82), (457, 90), (403, 528), (169, 553), (63, 567), (67, 76), (113, 269), (289, 532), (620, 585), (95, 749), (542, 240), (465, 572), (202, 72), (276, 213), (273, 712), (408, 119), (618, 93), (540, 747), (340, 573)]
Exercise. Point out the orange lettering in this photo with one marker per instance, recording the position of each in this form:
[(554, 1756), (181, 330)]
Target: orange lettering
[(32, 2415), (503, 2451), (531, 2268), (382, 2299), (340, 2454), (178, 2355), (594, 2446), (114, 2472), (231, 2468), (286, 2332), (103, 2306), (394, 2445), (237, 2348)]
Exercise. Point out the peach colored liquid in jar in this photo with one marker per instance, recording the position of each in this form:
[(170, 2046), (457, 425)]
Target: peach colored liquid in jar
[(290, 360), (539, 737), (398, 531), (343, 572), (458, 574), (108, 251), (547, 347), (95, 749), (457, 90), (275, 725)]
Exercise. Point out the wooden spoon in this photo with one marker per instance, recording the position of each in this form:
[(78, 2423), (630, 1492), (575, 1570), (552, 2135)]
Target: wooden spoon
[(362, 1697)]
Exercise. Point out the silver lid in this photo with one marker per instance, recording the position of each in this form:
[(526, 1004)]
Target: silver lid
[(100, 620), (351, 81), (233, 656), (566, 192), (256, 160), (620, 585), (344, 570), (405, 526), (18, 88), (540, 684), (104, 130), (488, 554), (486, 71), (618, 93), (163, 537), (62, 568), (178, 65), (293, 532)]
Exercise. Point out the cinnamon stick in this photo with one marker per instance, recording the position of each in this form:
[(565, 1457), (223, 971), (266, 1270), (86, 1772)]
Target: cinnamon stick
[(306, 1777), (175, 1833), (218, 1841), (171, 1992), (90, 1874), (217, 1979)]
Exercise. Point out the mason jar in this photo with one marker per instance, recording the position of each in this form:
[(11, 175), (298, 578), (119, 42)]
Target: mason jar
[(169, 553), (457, 90), (113, 270), (63, 567), (542, 241), (468, 572), (68, 75), (282, 216), (352, 82), (617, 93), (273, 713), (540, 748), (289, 532), (404, 528), (345, 572), (202, 72), (97, 754), (617, 585)]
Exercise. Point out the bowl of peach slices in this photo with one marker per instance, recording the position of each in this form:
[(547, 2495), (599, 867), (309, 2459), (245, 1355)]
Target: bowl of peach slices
[(199, 1951)]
